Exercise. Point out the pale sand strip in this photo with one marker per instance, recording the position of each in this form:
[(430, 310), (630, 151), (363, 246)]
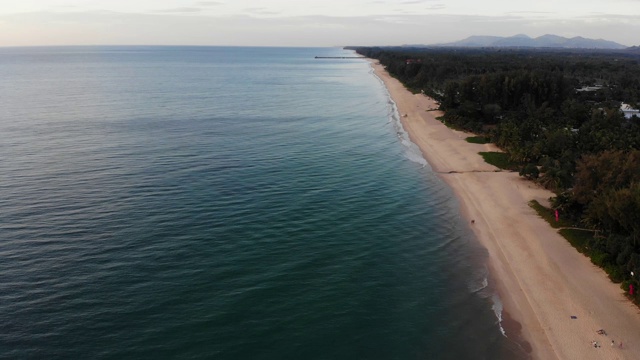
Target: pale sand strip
[(540, 278)]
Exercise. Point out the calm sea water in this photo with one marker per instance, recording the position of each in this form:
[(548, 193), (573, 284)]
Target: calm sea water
[(225, 203)]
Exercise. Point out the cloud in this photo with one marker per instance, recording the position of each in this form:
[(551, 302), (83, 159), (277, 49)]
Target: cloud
[(180, 10), (65, 7), (392, 19), (426, 5), (405, 2), (530, 12), (209, 3), (173, 28), (414, 2), (260, 11)]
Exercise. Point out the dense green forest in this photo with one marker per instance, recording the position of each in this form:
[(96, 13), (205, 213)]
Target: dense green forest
[(557, 116)]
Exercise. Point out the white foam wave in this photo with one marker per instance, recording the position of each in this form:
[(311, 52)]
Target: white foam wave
[(412, 151), (497, 309), (418, 159), (478, 287), (479, 281)]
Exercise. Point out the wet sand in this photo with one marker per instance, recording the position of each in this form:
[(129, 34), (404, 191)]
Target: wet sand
[(540, 278)]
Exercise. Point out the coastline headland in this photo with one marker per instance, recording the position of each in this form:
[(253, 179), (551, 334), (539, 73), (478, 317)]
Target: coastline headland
[(555, 300)]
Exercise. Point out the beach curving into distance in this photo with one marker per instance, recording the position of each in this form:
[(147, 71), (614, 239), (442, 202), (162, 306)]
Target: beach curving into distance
[(555, 299)]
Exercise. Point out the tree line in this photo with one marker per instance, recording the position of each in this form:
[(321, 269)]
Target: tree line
[(557, 116)]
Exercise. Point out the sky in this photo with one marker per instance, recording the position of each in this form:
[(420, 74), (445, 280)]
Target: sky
[(308, 22)]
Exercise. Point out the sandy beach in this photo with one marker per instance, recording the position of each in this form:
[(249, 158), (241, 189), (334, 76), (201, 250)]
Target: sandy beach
[(542, 281)]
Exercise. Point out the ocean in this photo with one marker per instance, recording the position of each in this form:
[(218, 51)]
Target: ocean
[(226, 203)]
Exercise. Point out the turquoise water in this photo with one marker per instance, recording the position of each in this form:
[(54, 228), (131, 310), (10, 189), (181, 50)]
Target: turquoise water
[(225, 203)]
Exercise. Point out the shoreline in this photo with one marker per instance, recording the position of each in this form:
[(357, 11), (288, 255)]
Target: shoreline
[(541, 280)]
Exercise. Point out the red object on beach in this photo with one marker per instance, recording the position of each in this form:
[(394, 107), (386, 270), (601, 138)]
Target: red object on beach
[(630, 289), (557, 216)]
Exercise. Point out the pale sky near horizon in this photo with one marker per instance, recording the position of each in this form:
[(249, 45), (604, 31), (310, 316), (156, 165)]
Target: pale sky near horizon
[(308, 23)]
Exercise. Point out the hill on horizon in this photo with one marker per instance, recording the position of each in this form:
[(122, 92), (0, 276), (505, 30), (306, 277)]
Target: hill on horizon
[(544, 41)]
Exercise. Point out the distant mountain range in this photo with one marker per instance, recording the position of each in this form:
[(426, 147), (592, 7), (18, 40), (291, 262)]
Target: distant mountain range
[(544, 41), (634, 49)]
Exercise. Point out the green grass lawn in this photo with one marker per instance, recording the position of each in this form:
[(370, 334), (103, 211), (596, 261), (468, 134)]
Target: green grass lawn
[(478, 140), (498, 159), (579, 239), (550, 216)]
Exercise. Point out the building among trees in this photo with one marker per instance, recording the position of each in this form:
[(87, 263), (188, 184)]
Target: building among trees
[(628, 111)]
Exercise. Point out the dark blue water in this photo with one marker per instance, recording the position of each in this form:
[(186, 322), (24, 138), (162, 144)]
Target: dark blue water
[(225, 203)]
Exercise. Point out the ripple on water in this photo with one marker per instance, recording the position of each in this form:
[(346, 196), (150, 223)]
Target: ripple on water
[(149, 212)]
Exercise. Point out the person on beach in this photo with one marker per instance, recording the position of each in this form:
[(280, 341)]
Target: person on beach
[(613, 343)]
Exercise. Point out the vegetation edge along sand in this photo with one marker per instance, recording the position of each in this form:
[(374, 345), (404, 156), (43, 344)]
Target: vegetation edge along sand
[(554, 292)]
